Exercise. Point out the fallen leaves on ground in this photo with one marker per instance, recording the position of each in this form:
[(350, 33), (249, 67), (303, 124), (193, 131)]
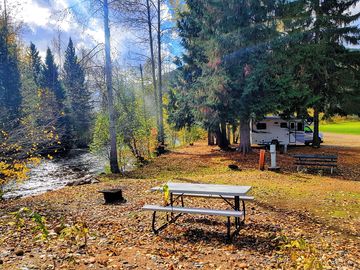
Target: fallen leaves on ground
[(298, 220)]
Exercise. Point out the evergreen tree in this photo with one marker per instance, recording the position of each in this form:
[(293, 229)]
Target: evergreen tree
[(50, 79), (10, 84), (229, 42), (79, 97), (328, 68), (189, 88), (180, 106), (51, 82), (35, 64)]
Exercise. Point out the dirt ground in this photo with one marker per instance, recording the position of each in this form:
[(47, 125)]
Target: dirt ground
[(299, 220)]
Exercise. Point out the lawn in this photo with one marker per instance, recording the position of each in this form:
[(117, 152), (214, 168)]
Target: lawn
[(342, 128)]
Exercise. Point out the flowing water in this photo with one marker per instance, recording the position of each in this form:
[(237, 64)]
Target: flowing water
[(56, 173)]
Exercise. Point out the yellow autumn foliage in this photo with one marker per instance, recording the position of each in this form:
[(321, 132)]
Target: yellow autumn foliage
[(17, 170)]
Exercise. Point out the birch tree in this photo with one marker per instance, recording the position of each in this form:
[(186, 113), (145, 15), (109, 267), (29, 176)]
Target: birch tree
[(114, 167)]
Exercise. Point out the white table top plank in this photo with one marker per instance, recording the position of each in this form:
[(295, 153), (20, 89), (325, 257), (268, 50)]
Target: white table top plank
[(209, 189)]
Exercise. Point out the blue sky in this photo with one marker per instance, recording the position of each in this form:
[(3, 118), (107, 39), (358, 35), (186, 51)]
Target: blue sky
[(44, 20)]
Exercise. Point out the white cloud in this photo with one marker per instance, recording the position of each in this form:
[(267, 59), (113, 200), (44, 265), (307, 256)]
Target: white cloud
[(165, 12), (49, 18), (33, 15)]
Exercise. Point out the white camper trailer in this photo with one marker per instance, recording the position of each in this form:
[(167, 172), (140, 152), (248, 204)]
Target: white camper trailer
[(275, 130)]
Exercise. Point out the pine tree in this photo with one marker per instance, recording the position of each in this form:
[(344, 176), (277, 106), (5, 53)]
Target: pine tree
[(50, 79), (191, 89), (10, 84), (51, 82), (79, 97), (228, 41), (35, 64), (328, 68)]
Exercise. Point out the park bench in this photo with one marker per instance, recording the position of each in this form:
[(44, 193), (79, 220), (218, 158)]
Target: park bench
[(316, 161)]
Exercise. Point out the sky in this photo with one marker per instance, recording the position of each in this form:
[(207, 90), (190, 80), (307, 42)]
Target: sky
[(45, 20)]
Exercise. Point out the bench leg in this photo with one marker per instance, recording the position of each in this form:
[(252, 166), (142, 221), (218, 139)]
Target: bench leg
[(231, 236), (153, 223), (243, 207), (237, 208), (228, 228)]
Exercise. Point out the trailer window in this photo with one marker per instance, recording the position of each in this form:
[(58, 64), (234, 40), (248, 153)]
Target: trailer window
[(283, 125), (261, 126), (300, 127)]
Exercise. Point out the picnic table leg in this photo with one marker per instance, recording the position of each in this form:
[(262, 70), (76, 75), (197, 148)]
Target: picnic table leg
[(243, 207), (153, 223), (228, 228), (172, 204), (237, 208)]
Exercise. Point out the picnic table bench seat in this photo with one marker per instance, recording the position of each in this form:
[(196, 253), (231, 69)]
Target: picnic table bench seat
[(198, 211), (188, 210), (314, 160)]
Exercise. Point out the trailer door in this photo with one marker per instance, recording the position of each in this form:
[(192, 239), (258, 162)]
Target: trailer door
[(292, 132)]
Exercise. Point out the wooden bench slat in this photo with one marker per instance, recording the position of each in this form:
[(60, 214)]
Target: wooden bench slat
[(316, 160), (200, 211), (316, 156), (315, 164)]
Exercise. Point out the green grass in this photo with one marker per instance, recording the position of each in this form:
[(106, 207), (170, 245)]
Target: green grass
[(342, 128)]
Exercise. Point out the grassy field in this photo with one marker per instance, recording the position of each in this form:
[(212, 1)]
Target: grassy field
[(342, 128)]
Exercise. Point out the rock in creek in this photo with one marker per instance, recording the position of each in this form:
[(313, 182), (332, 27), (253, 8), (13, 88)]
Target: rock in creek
[(87, 179)]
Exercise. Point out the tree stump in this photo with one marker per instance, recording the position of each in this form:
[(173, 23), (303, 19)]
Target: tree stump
[(113, 196)]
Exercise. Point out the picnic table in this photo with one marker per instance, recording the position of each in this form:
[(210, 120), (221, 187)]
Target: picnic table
[(232, 195)]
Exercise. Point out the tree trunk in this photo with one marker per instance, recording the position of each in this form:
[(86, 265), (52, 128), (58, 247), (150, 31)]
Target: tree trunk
[(151, 43), (161, 136), (316, 140), (144, 110), (114, 166), (143, 91), (235, 137), (221, 139), (228, 133), (210, 137), (245, 145)]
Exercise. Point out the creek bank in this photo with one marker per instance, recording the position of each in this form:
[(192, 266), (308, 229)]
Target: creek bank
[(87, 179)]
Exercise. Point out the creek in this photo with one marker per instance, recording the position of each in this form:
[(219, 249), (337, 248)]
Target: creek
[(56, 173)]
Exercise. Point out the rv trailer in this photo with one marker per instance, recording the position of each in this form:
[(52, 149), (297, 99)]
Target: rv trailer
[(275, 130)]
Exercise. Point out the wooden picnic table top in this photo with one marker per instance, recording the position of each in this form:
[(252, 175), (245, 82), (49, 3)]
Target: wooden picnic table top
[(209, 189)]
